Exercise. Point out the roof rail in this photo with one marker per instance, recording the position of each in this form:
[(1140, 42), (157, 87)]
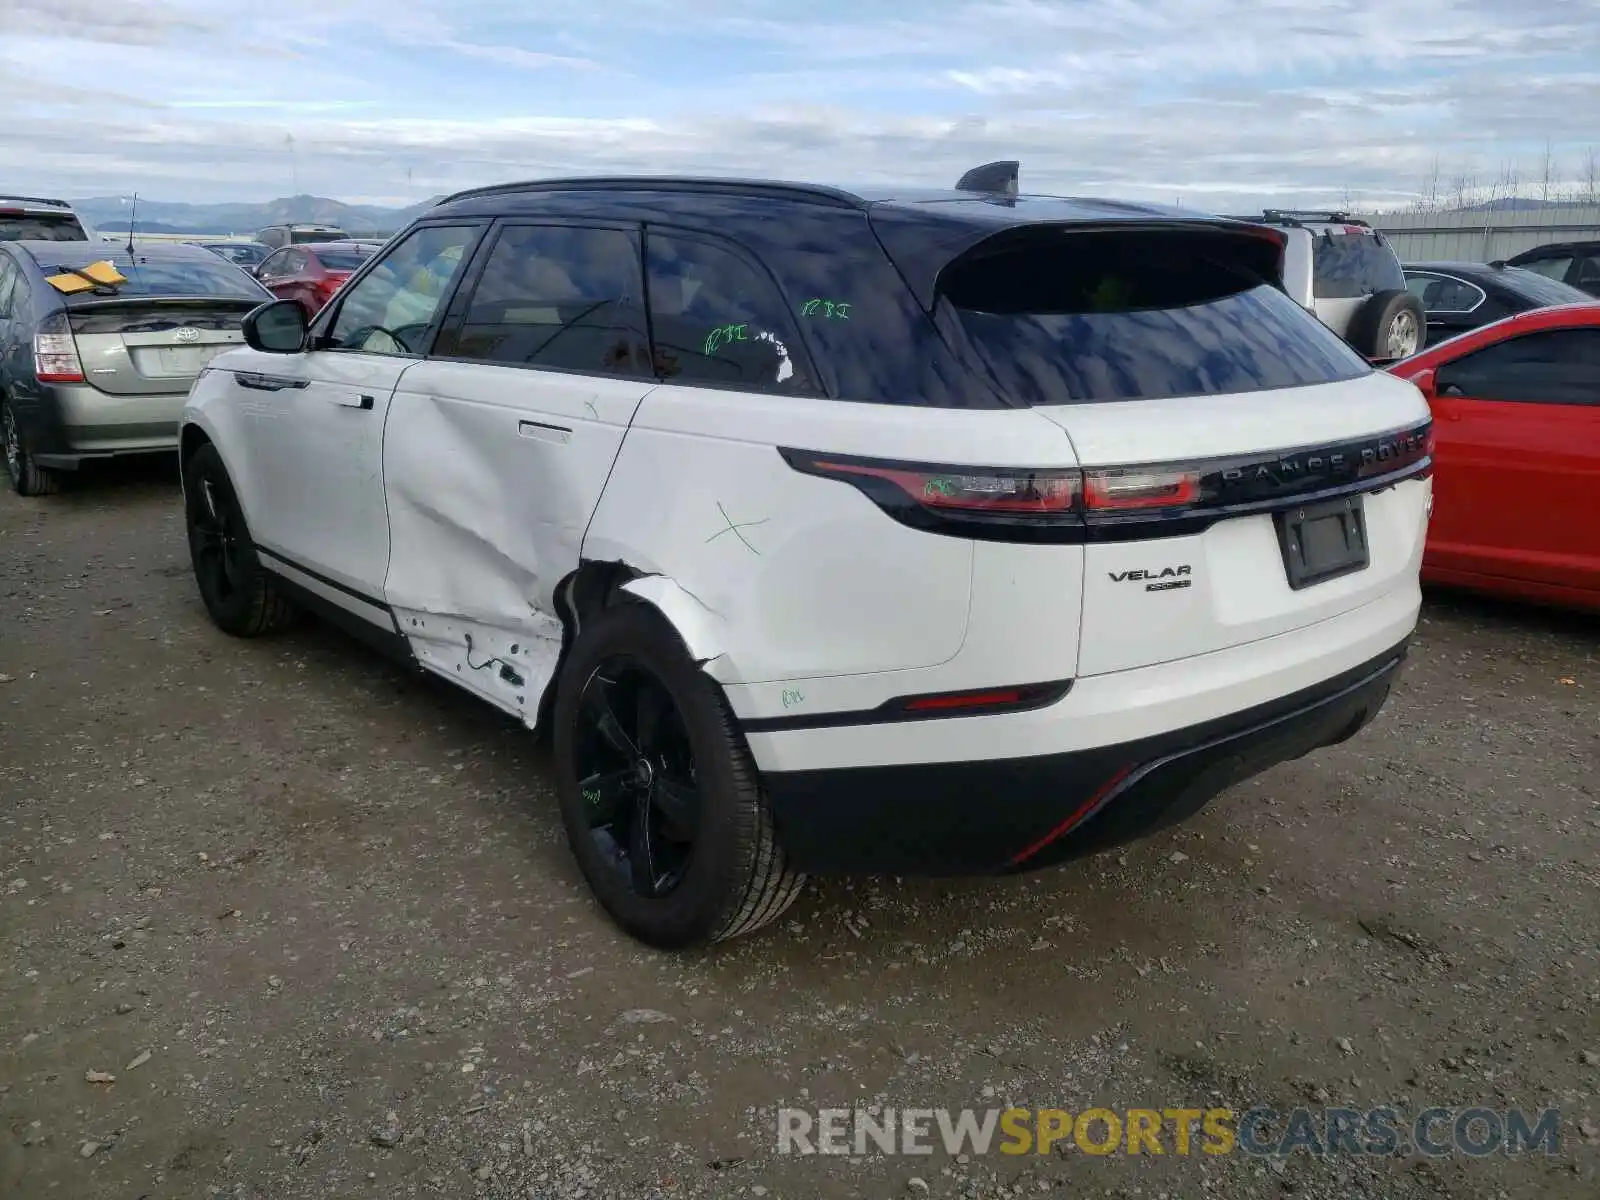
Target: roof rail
[(995, 179), (776, 189), (35, 200)]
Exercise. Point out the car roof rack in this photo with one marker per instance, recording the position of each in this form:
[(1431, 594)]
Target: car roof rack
[(35, 200), (807, 192), (1298, 217), (992, 179)]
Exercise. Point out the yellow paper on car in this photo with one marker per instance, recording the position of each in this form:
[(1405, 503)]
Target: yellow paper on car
[(83, 279)]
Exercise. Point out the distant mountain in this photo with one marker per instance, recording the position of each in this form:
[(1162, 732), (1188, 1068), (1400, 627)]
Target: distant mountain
[(109, 214)]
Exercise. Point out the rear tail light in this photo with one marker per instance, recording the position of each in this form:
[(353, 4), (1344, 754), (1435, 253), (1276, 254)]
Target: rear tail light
[(55, 353), (967, 489), (1055, 504)]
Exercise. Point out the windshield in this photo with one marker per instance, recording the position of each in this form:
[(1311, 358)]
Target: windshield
[(41, 228), (1532, 285), (1137, 316), (343, 260), (300, 237), (169, 277)]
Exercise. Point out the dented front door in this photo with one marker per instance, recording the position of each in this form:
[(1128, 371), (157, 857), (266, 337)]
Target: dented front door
[(499, 445)]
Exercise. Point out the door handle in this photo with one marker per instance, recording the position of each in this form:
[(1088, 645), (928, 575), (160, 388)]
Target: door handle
[(266, 383)]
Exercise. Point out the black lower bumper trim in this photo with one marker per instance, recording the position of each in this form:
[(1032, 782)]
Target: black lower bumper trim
[(996, 815)]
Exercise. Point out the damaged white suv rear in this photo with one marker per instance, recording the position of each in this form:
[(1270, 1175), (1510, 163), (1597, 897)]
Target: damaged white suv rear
[(826, 531)]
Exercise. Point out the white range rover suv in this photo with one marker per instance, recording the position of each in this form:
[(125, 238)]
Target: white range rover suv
[(827, 531)]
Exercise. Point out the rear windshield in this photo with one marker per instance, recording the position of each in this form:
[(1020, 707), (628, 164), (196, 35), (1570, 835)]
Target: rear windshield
[(153, 277), (41, 228), (1142, 315), (343, 260), (1348, 265), (300, 237), (1542, 290)]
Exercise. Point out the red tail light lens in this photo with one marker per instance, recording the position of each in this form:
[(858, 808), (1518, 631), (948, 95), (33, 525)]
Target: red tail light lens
[(55, 352), (967, 490)]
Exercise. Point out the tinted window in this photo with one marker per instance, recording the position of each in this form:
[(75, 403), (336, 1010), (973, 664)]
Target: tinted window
[(567, 299), (42, 227), (271, 237), (199, 276), (1550, 268), (390, 309), (716, 319), (1443, 293), (1561, 366), (275, 267), (9, 277), (342, 260), (1132, 316), (1348, 265), (1588, 273), (1539, 289), (301, 236)]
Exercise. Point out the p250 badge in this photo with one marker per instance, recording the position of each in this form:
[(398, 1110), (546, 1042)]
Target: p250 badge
[(1164, 580)]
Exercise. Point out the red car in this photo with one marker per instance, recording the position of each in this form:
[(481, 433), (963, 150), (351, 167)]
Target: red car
[(1516, 407), (311, 273)]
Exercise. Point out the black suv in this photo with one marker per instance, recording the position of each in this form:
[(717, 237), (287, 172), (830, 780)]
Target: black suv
[(1577, 263)]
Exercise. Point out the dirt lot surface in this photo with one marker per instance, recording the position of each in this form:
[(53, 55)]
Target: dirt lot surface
[(317, 918)]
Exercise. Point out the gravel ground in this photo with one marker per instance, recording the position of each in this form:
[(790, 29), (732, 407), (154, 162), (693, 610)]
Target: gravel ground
[(317, 919)]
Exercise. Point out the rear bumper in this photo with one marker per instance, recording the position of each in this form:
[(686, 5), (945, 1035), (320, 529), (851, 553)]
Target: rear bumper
[(62, 425), (1008, 814)]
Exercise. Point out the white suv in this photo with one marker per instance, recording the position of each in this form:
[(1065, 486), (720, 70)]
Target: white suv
[(1345, 271), (953, 533)]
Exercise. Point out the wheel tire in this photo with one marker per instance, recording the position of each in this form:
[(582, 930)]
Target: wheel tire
[(27, 477), (241, 598), (736, 878), (1373, 329)]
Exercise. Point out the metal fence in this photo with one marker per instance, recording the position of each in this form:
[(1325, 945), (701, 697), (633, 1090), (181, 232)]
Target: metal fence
[(1465, 235)]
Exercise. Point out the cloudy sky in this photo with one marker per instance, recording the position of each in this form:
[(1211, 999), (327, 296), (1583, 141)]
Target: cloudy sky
[(1211, 102)]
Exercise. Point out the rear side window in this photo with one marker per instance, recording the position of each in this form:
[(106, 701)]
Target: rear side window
[(41, 227), (559, 297), (10, 277), (1062, 317), (1444, 293), (1349, 265), (717, 320)]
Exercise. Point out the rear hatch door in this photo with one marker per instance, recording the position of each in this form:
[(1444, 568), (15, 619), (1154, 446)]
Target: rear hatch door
[(1246, 473), (141, 347)]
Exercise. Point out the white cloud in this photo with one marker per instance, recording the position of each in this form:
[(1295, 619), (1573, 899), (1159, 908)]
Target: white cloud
[(1215, 101)]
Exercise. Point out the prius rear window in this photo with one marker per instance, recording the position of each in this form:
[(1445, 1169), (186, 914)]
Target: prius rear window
[(1069, 317)]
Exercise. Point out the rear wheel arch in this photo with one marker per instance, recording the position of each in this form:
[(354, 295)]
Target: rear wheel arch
[(597, 586)]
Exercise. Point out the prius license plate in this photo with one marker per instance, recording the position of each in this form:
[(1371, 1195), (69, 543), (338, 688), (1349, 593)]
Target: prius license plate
[(1323, 541), (183, 360)]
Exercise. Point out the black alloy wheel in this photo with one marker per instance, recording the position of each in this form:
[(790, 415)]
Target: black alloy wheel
[(636, 775)]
